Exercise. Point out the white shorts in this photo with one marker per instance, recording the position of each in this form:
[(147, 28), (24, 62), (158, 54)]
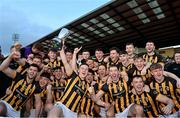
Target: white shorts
[(10, 110), (174, 115), (123, 114), (67, 113), (103, 112), (32, 113)]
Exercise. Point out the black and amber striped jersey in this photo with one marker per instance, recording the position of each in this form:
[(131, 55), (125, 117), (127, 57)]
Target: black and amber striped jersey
[(74, 92), (156, 58), (105, 97), (55, 64), (125, 68), (22, 69), (147, 78), (21, 92), (119, 94), (168, 88), (87, 104), (58, 89), (110, 63), (101, 62), (43, 95), (146, 100)]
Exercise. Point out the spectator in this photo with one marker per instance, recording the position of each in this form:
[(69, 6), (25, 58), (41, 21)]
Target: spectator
[(175, 66)]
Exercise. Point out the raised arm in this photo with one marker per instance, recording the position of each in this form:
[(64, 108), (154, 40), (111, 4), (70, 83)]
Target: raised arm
[(68, 68), (4, 67), (74, 60)]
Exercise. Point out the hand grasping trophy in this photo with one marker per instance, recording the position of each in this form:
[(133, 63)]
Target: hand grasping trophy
[(63, 34)]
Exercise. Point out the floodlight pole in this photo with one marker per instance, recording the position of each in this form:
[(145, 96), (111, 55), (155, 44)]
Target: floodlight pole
[(15, 37)]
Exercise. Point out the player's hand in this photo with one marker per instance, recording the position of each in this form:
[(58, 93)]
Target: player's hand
[(49, 87), (107, 106), (167, 109), (16, 55), (76, 50), (91, 90), (93, 83)]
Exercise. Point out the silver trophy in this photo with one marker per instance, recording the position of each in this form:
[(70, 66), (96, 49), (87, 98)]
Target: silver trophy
[(63, 34)]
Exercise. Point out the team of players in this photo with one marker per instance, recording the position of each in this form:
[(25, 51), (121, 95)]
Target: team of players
[(119, 85)]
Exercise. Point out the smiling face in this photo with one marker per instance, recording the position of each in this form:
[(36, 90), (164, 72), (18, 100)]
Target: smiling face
[(102, 71), (52, 55), (150, 47), (114, 73), (86, 55), (37, 61), (139, 63), (114, 55), (89, 77), (130, 49), (90, 63), (157, 74), (124, 57), (99, 55), (43, 81), (69, 56), (138, 84), (83, 71), (32, 72), (57, 73)]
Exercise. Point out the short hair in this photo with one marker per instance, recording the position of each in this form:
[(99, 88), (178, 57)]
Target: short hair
[(35, 65), (130, 43), (155, 66), (123, 52), (38, 56), (56, 68), (150, 41), (113, 66), (99, 49), (84, 64), (138, 56), (38, 46), (137, 76), (53, 50), (85, 50), (102, 65), (114, 48), (46, 74), (68, 50), (175, 53)]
